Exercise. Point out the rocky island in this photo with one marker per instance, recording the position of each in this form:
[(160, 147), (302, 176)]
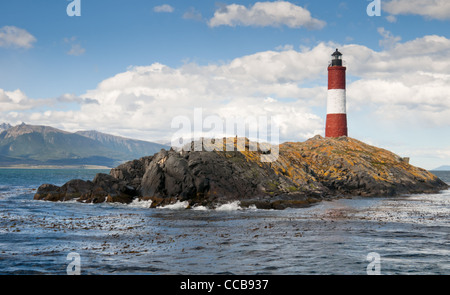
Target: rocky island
[(303, 173)]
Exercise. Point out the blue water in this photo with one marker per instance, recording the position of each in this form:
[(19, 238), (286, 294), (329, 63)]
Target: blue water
[(410, 233)]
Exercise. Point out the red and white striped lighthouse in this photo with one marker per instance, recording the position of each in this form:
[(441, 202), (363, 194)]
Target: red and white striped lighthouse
[(336, 124)]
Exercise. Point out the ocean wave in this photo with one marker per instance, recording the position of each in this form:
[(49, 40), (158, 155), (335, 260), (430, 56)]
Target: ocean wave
[(232, 206), (140, 203), (4, 188), (177, 206), (200, 208), (7, 192)]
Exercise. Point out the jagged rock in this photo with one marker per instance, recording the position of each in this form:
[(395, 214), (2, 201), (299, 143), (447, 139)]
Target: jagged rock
[(48, 192), (104, 188), (304, 173), (74, 189)]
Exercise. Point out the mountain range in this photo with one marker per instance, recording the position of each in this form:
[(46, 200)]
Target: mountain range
[(442, 168), (44, 145)]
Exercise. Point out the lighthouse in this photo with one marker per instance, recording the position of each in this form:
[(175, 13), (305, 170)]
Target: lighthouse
[(336, 124)]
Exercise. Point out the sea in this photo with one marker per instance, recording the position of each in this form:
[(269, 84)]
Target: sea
[(353, 236)]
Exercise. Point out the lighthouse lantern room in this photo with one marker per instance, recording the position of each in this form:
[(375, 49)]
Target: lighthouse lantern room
[(337, 58)]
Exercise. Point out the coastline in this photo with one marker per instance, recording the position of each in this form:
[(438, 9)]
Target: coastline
[(303, 173)]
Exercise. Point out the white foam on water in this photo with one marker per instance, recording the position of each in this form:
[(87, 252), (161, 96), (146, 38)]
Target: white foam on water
[(232, 206), (252, 207), (140, 203), (177, 206), (200, 208), (7, 192)]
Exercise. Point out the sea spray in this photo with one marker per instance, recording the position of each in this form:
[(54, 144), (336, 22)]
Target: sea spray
[(137, 203), (176, 206), (199, 208), (233, 206)]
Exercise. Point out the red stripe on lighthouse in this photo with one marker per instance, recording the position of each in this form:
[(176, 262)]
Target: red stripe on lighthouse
[(336, 77), (336, 125)]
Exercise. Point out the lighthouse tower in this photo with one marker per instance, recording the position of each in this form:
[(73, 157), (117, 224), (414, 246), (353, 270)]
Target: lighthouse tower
[(336, 124)]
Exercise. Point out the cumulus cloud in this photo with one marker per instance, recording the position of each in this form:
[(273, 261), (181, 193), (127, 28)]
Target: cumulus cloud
[(429, 54), (163, 8), (16, 101), (14, 37), (265, 14), (407, 83), (151, 96), (72, 98), (432, 9), (16, 107), (388, 40)]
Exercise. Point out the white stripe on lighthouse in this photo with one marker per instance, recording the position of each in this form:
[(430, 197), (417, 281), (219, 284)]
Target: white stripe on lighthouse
[(336, 101)]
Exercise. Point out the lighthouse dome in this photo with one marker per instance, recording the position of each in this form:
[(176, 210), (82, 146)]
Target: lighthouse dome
[(337, 58)]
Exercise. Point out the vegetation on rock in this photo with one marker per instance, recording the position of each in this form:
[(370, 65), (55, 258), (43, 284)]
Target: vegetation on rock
[(303, 173)]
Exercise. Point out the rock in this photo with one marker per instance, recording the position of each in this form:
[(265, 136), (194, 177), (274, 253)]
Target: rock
[(132, 172), (104, 188), (304, 173), (73, 189), (48, 192)]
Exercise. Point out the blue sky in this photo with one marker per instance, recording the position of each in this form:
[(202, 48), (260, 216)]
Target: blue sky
[(148, 63)]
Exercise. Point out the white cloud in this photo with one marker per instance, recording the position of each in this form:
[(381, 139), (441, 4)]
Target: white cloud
[(407, 84), (16, 106), (163, 8), (14, 37), (433, 9), (265, 14), (150, 97), (284, 47), (422, 104), (388, 40), (142, 101), (72, 98), (16, 101), (429, 54), (391, 18)]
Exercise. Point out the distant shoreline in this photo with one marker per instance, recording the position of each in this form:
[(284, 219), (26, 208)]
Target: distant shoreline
[(87, 167)]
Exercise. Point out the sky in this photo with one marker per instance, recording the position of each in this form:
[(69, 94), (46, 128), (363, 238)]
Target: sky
[(129, 68)]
